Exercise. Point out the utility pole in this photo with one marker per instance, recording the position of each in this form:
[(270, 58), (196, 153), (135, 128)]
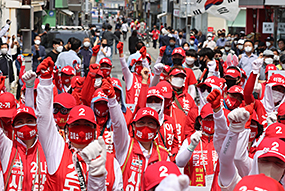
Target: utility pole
[(187, 28), (86, 12)]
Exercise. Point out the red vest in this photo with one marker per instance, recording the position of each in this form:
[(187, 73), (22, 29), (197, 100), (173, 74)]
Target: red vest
[(135, 163), (132, 95), (195, 168), (110, 178), (23, 172), (108, 138), (190, 79)]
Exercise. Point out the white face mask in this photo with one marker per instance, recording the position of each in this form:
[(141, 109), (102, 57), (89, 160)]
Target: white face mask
[(276, 58), (270, 170), (59, 49), (86, 44), (255, 46), (190, 60), (248, 49), (227, 48), (155, 106), (191, 42), (37, 42), (186, 48), (229, 38), (4, 51), (177, 82), (268, 61), (98, 82), (235, 42), (267, 43), (277, 96), (240, 47), (209, 38)]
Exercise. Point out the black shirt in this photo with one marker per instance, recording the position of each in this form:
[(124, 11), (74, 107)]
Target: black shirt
[(53, 56), (118, 34)]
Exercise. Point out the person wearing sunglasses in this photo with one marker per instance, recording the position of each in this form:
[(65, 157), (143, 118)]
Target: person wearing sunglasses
[(62, 105)]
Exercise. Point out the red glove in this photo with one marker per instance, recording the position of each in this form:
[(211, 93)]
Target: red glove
[(162, 50), (45, 68), (95, 50), (2, 82), (133, 62), (214, 98), (120, 47), (143, 52), (249, 108), (20, 59), (93, 70), (56, 70), (108, 88)]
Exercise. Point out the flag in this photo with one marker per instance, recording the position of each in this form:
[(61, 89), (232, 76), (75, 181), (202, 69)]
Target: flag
[(227, 9)]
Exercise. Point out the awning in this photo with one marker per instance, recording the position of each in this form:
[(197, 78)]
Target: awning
[(67, 12), (161, 15)]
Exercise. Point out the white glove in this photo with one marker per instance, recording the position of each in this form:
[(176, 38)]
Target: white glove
[(272, 118), (97, 166), (256, 65), (158, 68), (29, 78), (91, 151), (195, 138), (238, 118), (174, 183)]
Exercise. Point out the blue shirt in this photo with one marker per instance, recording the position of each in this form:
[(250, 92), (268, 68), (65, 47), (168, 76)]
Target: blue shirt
[(86, 55), (194, 47), (133, 56), (67, 58), (221, 42), (245, 62)]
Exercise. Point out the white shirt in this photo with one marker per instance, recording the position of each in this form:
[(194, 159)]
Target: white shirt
[(210, 44), (101, 55), (125, 27)]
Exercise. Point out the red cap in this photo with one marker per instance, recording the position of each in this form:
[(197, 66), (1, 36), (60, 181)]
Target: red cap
[(8, 104), (273, 147), (258, 182), (66, 100), (21, 110), (146, 112), (116, 83), (277, 79), (167, 68), (37, 81), (99, 95), (81, 112), (213, 81), (192, 37), (154, 91), (105, 60), (176, 71), (206, 110), (236, 90), (270, 67), (165, 88), (281, 109), (154, 173), (243, 73), (276, 130), (68, 70), (178, 50), (232, 73)]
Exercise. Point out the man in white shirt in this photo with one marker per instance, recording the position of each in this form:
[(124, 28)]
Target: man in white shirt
[(209, 43)]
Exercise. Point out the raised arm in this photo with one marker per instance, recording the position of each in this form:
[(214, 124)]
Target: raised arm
[(29, 78), (95, 51), (52, 142), (5, 150), (5, 29)]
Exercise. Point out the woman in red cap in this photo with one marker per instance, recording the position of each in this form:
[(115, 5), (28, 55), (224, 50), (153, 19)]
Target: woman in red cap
[(134, 154), (68, 162), (197, 155), (63, 82), (23, 160)]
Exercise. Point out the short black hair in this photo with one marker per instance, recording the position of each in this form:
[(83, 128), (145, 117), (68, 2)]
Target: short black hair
[(139, 45), (191, 53), (56, 41), (70, 40), (109, 27), (281, 39), (75, 44), (206, 51), (249, 41), (184, 44), (218, 51), (4, 44), (172, 38)]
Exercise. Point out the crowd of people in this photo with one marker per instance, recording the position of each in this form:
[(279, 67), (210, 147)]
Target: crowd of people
[(207, 114)]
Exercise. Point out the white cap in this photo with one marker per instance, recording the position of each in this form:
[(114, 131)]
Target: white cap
[(240, 41)]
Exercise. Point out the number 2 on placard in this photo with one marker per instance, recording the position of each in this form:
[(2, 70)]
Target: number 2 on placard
[(81, 111), (163, 171)]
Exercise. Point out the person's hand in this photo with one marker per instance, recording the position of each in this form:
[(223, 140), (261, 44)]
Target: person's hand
[(120, 47), (9, 36), (145, 75), (29, 78), (39, 58), (272, 118), (256, 65), (102, 49), (56, 70), (214, 98), (162, 50), (108, 88), (2, 82), (76, 65), (95, 157), (158, 68), (16, 43), (45, 68), (143, 52), (21, 59), (95, 50), (93, 70), (36, 47), (8, 21), (195, 138), (238, 118)]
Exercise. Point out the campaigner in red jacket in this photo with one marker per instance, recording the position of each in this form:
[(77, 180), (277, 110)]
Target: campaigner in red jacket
[(23, 161)]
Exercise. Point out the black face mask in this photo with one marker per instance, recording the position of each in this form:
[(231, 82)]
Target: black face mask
[(177, 61), (104, 45), (230, 83), (180, 36)]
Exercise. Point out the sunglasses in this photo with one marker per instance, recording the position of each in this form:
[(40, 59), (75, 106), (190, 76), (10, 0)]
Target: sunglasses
[(62, 110)]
